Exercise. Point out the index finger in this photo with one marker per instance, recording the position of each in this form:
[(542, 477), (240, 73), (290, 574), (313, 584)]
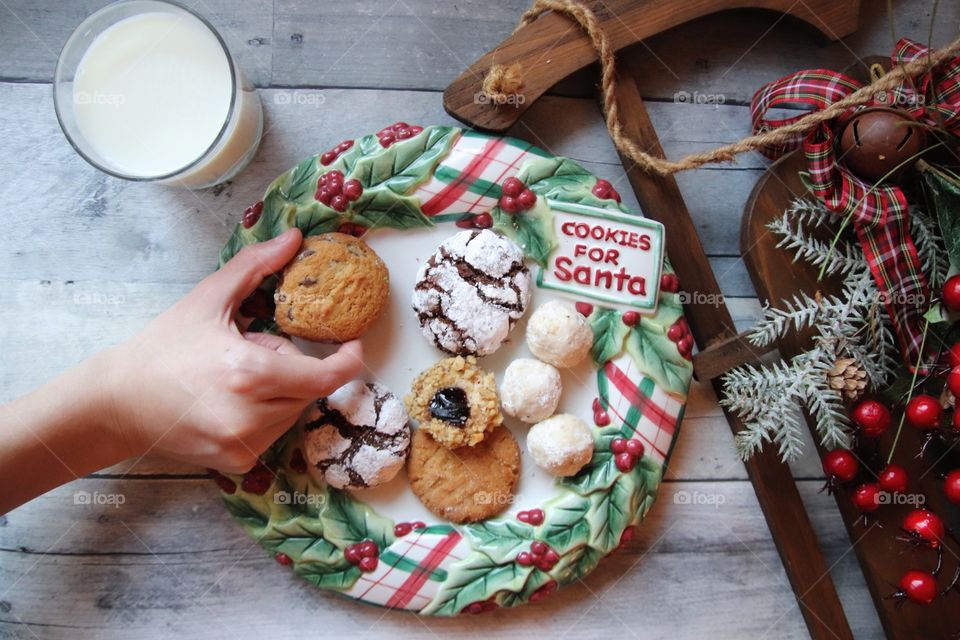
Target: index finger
[(303, 376)]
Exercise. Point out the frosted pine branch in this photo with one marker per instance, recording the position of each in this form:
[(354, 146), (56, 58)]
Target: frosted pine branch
[(843, 258)]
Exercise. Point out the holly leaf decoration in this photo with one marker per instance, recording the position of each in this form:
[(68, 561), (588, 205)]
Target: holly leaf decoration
[(245, 512), (534, 581), (601, 471), (566, 526), (531, 229), (406, 163), (608, 334), (564, 180), (657, 356), (301, 538), (499, 539), (944, 194), (579, 562), (476, 578), (346, 521), (384, 208), (340, 577), (302, 180), (611, 512)]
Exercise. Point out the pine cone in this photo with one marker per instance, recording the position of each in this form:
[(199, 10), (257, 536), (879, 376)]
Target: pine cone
[(848, 377)]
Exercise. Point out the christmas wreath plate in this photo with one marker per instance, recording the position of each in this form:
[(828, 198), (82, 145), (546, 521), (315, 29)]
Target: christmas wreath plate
[(418, 187)]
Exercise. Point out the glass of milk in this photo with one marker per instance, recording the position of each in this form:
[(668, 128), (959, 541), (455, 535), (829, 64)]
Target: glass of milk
[(147, 90)]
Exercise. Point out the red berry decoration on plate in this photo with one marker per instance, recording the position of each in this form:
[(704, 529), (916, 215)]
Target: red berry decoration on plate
[(917, 586), (363, 554), (395, 132), (484, 606), (329, 156), (951, 293), (923, 526), (543, 591), (866, 497), (625, 461), (352, 229), (626, 452), (953, 381), (924, 412), (893, 479), (297, 462), (283, 559), (226, 484), (525, 559), (841, 466), (584, 308), (402, 528), (526, 199), (670, 282), (601, 418), (335, 193), (251, 215), (605, 191), (873, 417), (534, 517), (258, 479), (515, 196), (483, 221), (418, 525), (951, 486), (368, 564), (630, 318)]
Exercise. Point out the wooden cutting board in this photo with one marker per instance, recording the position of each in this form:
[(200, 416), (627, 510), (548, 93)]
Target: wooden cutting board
[(883, 559)]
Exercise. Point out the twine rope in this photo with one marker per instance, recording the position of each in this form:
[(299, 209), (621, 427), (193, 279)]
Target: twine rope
[(503, 82)]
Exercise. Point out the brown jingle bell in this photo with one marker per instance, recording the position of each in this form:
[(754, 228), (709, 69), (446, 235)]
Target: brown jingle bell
[(876, 141)]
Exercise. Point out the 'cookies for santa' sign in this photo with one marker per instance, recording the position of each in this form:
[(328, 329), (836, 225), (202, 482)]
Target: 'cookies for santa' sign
[(612, 257)]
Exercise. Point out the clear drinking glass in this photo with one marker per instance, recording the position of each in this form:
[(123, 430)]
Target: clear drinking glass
[(147, 90)]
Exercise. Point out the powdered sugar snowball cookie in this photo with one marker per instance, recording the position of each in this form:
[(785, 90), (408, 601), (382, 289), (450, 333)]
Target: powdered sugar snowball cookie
[(471, 292), (530, 390), (357, 436), (560, 445), (558, 335)]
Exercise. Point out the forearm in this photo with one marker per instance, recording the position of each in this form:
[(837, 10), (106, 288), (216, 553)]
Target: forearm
[(58, 433)]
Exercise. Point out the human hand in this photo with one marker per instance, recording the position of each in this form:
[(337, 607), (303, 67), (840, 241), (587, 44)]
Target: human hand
[(191, 386)]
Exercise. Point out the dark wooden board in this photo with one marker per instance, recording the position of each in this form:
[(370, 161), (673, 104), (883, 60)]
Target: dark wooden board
[(882, 558), (710, 321)]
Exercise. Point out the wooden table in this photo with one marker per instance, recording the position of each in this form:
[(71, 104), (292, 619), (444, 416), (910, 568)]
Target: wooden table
[(87, 260)]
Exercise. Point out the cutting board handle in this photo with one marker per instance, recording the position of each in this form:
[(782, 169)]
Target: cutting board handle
[(552, 47)]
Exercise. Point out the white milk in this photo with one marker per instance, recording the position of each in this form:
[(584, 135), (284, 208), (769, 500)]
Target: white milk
[(152, 93)]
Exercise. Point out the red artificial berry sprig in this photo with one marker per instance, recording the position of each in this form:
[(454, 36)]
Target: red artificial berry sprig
[(923, 527), (893, 479), (841, 466), (924, 412), (251, 215), (872, 418), (951, 486), (403, 528), (540, 556), (515, 196), (365, 554), (297, 462), (630, 318), (259, 479), (226, 484), (866, 497), (626, 453), (330, 156), (600, 416), (533, 516), (951, 293), (544, 591), (670, 282), (335, 193), (283, 559), (916, 586), (679, 334), (478, 221), (605, 191), (396, 132)]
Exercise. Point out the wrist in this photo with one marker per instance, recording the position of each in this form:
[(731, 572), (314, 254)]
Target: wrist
[(108, 406)]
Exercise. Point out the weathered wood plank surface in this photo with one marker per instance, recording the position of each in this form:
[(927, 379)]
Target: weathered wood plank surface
[(101, 257)]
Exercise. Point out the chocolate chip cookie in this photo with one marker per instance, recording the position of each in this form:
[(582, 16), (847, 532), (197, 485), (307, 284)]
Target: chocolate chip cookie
[(468, 484), (471, 292), (357, 437), (333, 290), (455, 401)]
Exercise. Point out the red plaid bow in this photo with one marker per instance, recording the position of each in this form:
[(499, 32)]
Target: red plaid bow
[(878, 213)]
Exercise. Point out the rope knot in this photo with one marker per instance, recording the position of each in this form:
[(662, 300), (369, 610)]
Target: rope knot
[(502, 83)]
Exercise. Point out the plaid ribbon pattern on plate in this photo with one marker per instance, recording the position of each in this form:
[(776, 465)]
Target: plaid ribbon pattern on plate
[(411, 569), (468, 180), (640, 405), (878, 212)]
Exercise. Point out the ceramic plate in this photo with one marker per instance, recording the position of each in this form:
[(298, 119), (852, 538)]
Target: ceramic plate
[(419, 186)]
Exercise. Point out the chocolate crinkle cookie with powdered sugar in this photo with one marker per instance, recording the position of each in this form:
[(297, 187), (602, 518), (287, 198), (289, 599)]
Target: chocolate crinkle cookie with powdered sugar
[(471, 292), (357, 437)]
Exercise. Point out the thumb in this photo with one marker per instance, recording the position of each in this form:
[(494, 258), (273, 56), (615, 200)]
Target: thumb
[(237, 279)]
